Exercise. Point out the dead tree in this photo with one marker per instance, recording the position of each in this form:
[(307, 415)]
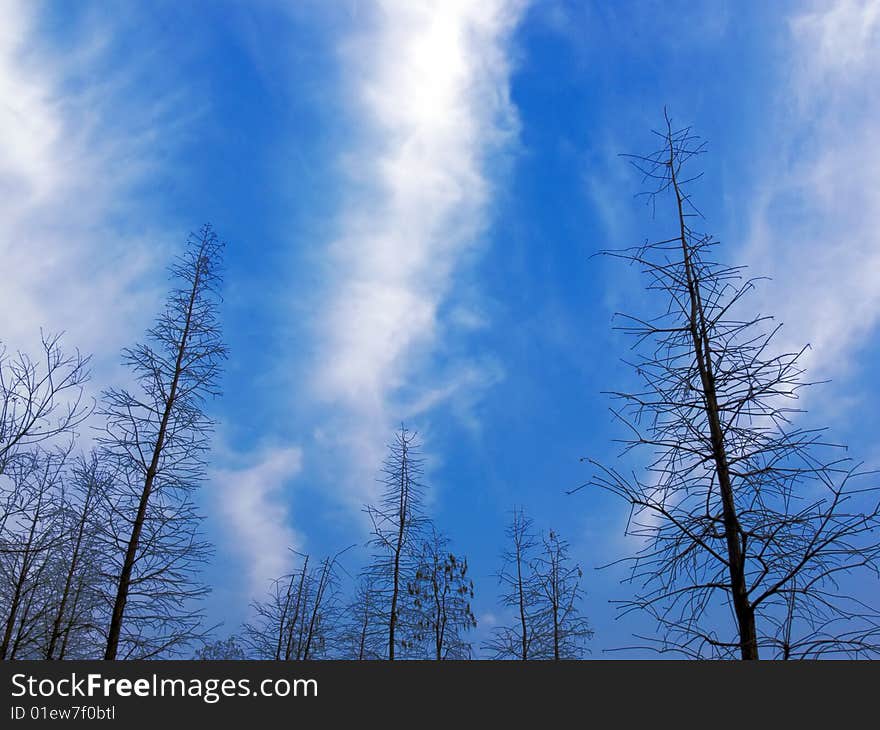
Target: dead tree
[(751, 525), (40, 400), (398, 526), (439, 603), (562, 632), (299, 619), (541, 587), (361, 635), (28, 542), (520, 591), (77, 603), (156, 440)]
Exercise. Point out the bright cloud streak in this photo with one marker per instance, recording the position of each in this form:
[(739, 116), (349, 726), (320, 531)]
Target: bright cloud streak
[(430, 87), (816, 225), (79, 253), (252, 501)]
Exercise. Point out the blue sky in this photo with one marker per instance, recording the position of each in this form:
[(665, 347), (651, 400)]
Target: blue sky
[(411, 192)]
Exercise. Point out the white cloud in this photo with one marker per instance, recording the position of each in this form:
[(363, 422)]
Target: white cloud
[(78, 252), (429, 85), (252, 501), (815, 226), (838, 42)]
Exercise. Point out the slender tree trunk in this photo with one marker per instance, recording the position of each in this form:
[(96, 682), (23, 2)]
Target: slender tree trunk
[(21, 579), (71, 572), (65, 635), (555, 574), (301, 631), (10, 620), (522, 599), (362, 648), (439, 622), (316, 607), (291, 623), (282, 622), (401, 531), (131, 552), (702, 349), (22, 632)]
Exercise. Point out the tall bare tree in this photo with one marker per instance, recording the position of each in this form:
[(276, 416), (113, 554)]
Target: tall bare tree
[(76, 604), (363, 635), (156, 440), (301, 616), (541, 587), (562, 632), (752, 526), (398, 527), (439, 602), (28, 541), (519, 591)]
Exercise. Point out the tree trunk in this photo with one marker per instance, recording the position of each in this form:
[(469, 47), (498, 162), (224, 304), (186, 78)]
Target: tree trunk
[(71, 571), (17, 594), (131, 551), (745, 616), (401, 531)]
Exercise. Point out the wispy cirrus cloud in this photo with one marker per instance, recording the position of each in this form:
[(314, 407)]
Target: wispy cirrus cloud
[(428, 83), (815, 222), (251, 498), (81, 250)]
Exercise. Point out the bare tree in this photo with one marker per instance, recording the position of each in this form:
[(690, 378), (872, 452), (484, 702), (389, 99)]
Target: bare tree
[(439, 601), (519, 592), (562, 632), (156, 440), (397, 531), (41, 405), (27, 543), (40, 400), (363, 634), (300, 617), (541, 585), (751, 526), (75, 608)]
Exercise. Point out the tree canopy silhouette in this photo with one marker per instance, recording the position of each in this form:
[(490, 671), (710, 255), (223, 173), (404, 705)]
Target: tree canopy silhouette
[(751, 525)]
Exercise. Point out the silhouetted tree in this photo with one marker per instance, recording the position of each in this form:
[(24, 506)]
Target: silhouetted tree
[(561, 631), (751, 525), (300, 618), (397, 532), (77, 602), (155, 440), (40, 400), (439, 602), (363, 633), (30, 536), (41, 405), (520, 592), (541, 586)]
